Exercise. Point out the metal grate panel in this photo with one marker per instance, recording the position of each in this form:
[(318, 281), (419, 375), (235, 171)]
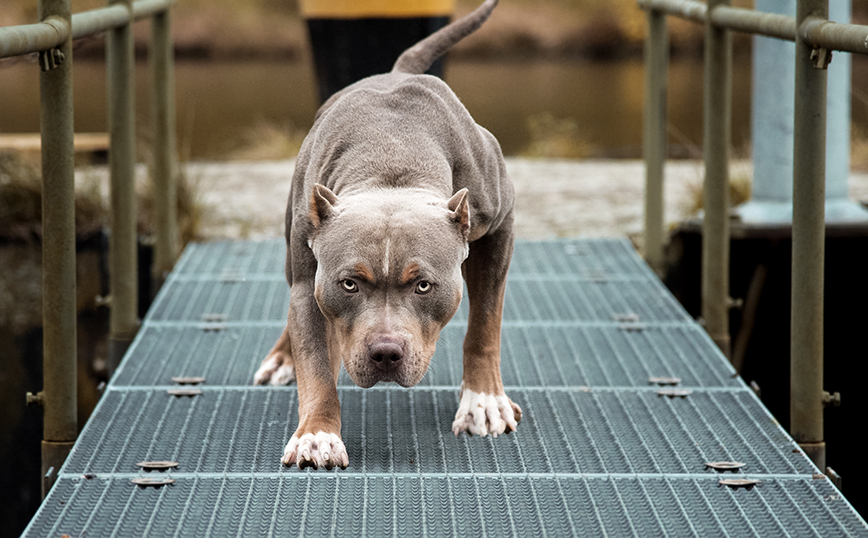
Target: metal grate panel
[(599, 452), (588, 258), (532, 356), (533, 299), (244, 430), (424, 505), (233, 257)]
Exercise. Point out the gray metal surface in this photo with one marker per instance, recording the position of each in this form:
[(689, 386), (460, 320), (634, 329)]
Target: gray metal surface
[(599, 452)]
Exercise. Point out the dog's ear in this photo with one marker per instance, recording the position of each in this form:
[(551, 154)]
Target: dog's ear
[(322, 202), (459, 205)]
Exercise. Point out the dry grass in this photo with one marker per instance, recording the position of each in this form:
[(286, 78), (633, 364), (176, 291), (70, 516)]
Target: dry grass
[(556, 138), (21, 203), (268, 141), (21, 195), (740, 187), (190, 209), (859, 149)]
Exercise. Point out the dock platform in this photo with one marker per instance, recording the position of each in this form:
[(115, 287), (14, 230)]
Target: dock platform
[(604, 448)]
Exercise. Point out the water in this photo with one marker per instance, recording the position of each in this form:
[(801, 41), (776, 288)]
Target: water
[(218, 101)]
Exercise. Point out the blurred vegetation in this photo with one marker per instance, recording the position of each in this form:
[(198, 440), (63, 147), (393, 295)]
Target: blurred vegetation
[(21, 192), (556, 138), (21, 207), (268, 141)]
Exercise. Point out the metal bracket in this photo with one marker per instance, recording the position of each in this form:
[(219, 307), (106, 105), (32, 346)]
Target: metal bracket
[(723, 466), (35, 399), (188, 380), (188, 393), (161, 466), (834, 477), (675, 393), (736, 483), (50, 59), (152, 482), (821, 57), (754, 386), (734, 304), (664, 381), (48, 481), (833, 400)]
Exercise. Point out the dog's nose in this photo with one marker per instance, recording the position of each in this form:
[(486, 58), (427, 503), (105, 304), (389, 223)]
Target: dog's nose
[(386, 350)]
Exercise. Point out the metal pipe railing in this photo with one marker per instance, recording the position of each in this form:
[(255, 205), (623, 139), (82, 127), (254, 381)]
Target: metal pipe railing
[(51, 32), (52, 39), (97, 21), (809, 236), (24, 39), (717, 114), (59, 390), (163, 166), (654, 135), (815, 37), (818, 32), (123, 244)]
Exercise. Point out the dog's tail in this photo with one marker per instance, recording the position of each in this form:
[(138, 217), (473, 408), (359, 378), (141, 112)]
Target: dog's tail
[(418, 58)]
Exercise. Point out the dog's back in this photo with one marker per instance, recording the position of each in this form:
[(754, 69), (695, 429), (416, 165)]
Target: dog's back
[(406, 129)]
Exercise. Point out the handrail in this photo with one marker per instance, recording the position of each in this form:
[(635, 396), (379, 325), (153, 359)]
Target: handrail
[(45, 35), (815, 31), (52, 39), (811, 30), (27, 38)]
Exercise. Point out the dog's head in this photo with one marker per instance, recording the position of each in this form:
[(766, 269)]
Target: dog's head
[(388, 276)]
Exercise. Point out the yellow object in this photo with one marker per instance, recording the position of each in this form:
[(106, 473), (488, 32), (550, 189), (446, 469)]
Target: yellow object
[(354, 9)]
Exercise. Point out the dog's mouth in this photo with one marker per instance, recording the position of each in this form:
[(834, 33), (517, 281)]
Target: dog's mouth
[(366, 373)]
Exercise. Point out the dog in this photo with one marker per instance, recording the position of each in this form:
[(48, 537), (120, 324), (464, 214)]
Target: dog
[(397, 193)]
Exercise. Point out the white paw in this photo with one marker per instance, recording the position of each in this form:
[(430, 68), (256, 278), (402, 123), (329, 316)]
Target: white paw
[(320, 450), (274, 372), (481, 414)]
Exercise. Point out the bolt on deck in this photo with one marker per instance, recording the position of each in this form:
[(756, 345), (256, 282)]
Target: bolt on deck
[(604, 448)]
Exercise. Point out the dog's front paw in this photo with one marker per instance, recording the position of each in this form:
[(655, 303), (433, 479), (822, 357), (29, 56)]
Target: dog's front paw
[(316, 450), (276, 369), (481, 414)]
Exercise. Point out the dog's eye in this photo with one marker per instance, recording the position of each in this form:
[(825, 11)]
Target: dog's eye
[(349, 286), (423, 287)]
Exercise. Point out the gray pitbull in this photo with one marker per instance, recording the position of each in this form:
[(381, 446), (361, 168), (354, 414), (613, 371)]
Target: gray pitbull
[(396, 194)]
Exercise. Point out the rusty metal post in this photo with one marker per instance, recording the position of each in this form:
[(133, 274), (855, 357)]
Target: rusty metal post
[(163, 165), (59, 388), (122, 160), (809, 194), (716, 138), (654, 134)]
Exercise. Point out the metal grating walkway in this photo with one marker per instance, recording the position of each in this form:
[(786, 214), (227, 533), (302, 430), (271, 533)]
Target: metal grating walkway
[(598, 452)]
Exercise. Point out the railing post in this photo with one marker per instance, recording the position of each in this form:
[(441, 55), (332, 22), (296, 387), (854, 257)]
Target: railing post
[(716, 139), (809, 194), (654, 136), (163, 165), (59, 391), (122, 159)]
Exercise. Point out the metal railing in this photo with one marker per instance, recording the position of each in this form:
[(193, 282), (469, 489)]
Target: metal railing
[(52, 40), (815, 37)]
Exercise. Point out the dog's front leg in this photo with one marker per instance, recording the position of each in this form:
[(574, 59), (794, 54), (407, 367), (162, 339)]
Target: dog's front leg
[(484, 407), (317, 440)]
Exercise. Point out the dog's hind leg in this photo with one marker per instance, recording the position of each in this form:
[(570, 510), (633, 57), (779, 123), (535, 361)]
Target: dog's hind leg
[(277, 368)]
